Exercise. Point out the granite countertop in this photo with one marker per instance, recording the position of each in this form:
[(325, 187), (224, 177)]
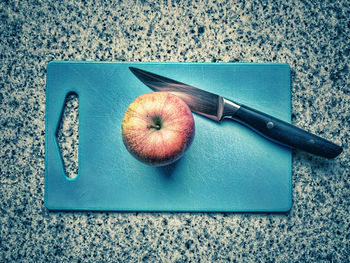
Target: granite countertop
[(311, 36)]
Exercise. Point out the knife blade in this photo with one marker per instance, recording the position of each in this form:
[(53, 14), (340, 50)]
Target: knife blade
[(217, 108)]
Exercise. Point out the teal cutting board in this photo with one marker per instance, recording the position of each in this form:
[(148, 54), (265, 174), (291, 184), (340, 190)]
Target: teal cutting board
[(227, 168)]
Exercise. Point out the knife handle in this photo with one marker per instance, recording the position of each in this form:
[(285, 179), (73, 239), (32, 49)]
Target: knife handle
[(285, 133)]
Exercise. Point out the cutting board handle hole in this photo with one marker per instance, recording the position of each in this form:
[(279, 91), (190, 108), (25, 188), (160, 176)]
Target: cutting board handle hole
[(67, 135)]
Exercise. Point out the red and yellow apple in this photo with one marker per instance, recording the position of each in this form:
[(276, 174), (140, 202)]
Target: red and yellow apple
[(158, 128)]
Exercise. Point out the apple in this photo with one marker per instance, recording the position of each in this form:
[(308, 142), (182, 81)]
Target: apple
[(158, 128)]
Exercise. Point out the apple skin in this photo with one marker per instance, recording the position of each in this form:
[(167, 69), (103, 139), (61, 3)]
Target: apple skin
[(158, 128)]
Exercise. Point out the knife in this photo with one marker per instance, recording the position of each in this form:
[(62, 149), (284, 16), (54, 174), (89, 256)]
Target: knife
[(218, 108)]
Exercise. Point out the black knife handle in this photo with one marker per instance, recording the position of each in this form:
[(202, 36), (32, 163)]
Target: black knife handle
[(285, 133)]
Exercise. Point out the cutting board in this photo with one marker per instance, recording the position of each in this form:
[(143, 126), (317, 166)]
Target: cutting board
[(227, 168)]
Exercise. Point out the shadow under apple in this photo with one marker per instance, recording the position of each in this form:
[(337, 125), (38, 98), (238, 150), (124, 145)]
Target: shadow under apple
[(168, 170)]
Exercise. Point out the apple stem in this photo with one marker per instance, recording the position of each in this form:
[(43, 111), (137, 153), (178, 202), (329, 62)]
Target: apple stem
[(156, 123), (157, 126)]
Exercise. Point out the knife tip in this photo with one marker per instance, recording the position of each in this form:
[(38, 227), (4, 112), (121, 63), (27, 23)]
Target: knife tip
[(133, 69)]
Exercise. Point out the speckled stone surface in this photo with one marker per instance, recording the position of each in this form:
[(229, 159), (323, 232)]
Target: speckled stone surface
[(312, 36)]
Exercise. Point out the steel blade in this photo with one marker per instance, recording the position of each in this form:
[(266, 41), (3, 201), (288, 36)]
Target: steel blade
[(200, 101)]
